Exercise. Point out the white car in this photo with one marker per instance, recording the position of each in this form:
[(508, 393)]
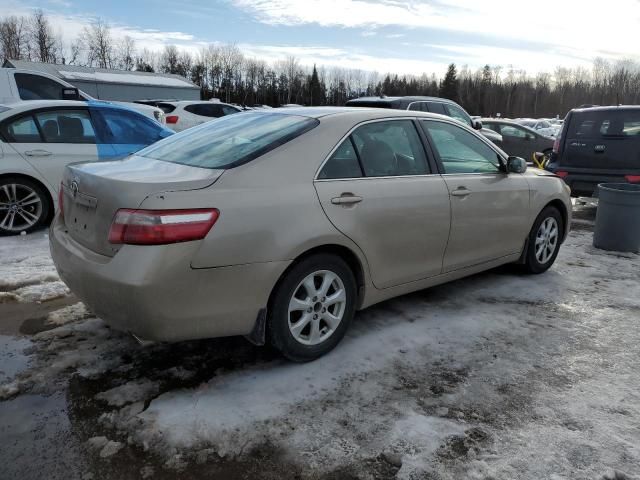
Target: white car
[(18, 85), (543, 127), (180, 115), (40, 137)]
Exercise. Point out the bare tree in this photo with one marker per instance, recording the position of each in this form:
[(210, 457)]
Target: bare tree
[(41, 37), (125, 53), (14, 38), (98, 44)]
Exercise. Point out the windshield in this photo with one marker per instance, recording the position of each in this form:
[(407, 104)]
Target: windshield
[(231, 140)]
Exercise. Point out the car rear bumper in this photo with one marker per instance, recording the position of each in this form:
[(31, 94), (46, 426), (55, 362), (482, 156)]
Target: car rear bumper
[(585, 183), (153, 293)]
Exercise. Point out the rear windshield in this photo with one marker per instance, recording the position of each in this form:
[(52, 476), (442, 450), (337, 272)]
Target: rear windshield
[(605, 123), (166, 107), (231, 140)]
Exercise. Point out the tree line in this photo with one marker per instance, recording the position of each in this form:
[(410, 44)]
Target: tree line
[(225, 72)]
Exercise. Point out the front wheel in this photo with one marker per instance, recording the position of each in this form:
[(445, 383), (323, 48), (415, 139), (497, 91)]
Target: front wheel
[(312, 307), (544, 240), (24, 206)]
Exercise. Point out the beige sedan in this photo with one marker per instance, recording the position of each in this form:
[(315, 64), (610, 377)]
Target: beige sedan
[(279, 225)]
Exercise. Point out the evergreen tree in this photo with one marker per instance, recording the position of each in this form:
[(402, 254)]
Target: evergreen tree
[(449, 86), (316, 89)]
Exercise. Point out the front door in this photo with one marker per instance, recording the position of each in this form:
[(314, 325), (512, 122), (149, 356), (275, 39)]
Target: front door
[(489, 208), (378, 190)]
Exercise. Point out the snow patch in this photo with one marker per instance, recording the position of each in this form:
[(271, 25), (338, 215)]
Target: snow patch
[(129, 393)]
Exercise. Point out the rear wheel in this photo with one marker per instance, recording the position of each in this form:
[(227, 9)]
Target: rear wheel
[(544, 240), (24, 206), (312, 307)]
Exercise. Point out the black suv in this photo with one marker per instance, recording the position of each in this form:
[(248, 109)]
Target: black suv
[(596, 145), (439, 105)]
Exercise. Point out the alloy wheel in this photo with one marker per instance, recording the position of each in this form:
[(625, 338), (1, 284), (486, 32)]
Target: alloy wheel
[(317, 307), (20, 207), (547, 239)]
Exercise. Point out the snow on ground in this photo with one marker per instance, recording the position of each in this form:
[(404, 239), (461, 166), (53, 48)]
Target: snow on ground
[(498, 376), (28, 273)]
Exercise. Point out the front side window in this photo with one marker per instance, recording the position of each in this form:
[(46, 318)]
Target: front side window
[(390, 148), (21, 130), (459, 114), (37, 87), (231, 140), (461, 151), (66, 126), (127, 128), (436, 107)]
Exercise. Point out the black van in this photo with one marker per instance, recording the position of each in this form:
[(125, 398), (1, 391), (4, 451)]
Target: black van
[(596, 145)]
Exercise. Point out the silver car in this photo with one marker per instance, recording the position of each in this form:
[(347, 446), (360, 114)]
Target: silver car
[(279, 225)]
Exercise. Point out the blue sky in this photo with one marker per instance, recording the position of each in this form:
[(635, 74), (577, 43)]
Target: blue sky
[(384, 35)]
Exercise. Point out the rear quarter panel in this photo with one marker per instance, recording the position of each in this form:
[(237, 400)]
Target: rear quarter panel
[(269, 209)]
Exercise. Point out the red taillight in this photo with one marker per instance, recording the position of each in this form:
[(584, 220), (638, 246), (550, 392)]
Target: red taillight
[(562, 174), (632, 178), (61, 200), (172, 119), (157, 227)]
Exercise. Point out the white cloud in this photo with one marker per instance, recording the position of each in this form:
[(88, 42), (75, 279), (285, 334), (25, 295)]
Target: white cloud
[(588, 26)]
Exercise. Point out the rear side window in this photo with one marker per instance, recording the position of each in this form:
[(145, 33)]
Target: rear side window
[(37, 87), (227, 110), (343, 163), (66, 126), (231, 140), (459, 114), (605, 124), (21, 130)]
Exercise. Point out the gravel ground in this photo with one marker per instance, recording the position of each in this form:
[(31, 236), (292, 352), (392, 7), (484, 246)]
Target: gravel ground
[(498, 376)]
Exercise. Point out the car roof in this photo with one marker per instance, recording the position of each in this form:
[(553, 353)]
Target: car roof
[(361, 113), (607, 108), (25, 106), (413, 98), (195, 102)]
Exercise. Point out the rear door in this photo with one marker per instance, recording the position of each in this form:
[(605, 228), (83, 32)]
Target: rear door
[(489, 208), (378, 189), (50, 139)]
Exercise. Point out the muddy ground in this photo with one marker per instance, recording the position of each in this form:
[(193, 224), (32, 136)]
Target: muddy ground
[(498, 376)]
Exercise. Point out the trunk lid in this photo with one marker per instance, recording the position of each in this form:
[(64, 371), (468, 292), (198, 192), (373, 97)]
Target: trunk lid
[(93, 192)]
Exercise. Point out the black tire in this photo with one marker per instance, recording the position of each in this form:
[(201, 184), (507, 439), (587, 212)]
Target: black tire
[(278, 331), (547, 157), (42, 211), (532, 263)]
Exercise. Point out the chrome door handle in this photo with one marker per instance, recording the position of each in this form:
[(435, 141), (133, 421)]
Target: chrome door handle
[(346, 199), (460, 192), (37, 153)]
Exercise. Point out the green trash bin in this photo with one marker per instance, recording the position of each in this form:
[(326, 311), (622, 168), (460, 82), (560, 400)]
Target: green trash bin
[(618, 217)]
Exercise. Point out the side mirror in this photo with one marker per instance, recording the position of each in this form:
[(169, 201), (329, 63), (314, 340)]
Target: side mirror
[(476, 124), (516, 165), (70, 93)]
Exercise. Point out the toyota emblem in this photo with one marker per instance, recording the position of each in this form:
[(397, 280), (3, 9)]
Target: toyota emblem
[(74, 188)]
